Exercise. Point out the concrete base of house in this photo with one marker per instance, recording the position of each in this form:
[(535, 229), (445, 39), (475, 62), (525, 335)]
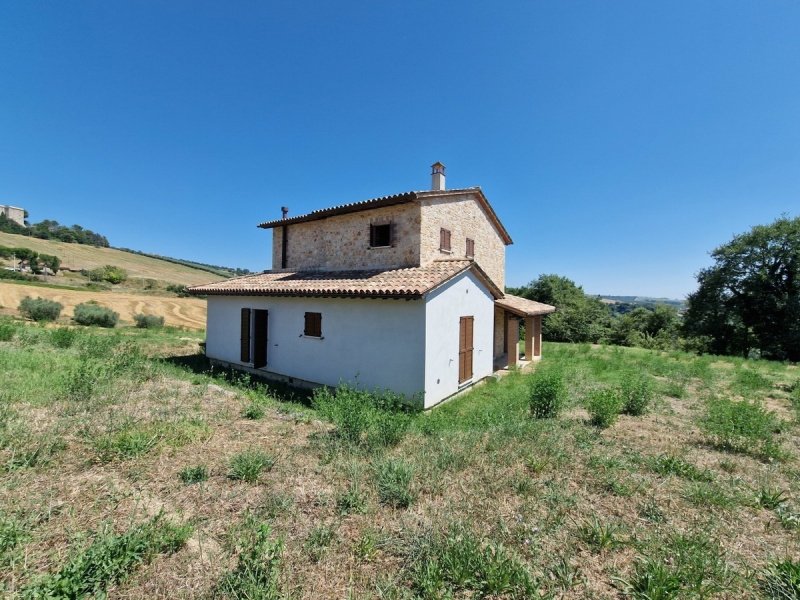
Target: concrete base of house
[(311, 385)]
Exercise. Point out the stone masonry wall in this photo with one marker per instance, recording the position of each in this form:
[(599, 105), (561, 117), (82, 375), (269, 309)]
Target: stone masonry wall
[(464, 217), (342, 242)]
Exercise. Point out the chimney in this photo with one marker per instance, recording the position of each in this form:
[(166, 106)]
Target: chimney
[(284, 211), (437, 177)]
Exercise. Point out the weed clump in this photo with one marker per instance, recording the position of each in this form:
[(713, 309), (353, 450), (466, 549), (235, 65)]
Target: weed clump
[(248, 465), (393, 478), (604, 406), (742, 427), (364, 419), (63, 337), (456, 563), (7, 330), (781, 580), (91, 313), (637, 394), (110, 559), (547, 394), (40, 309), (257, 572), (148, 321), (196, 474)]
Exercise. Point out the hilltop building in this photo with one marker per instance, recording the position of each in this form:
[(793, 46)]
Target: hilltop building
[(401, 292), (14, 213)]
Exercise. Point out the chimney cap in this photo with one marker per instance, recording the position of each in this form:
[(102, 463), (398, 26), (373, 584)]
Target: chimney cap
[(437, 167), (284, 211)]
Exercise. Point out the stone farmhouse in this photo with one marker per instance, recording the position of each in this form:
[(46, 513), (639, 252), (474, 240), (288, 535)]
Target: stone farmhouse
[(401, 292), (13, 213)]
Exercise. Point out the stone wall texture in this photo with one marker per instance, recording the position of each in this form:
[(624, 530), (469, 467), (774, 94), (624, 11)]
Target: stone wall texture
[(465, 218), (342, 242)]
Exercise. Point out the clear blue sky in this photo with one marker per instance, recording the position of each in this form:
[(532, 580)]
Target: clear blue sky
[(618, 141)]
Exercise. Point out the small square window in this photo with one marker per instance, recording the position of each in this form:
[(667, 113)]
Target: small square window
[(313, 326), (380, 236), (444, 239), (470, 248)]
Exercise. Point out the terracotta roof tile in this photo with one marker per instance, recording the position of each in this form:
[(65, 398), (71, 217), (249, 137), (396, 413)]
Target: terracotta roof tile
[(523, 306), (411, 282)]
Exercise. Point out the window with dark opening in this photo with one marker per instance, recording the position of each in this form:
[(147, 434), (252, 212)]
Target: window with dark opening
[(470, 247), (380, 235), (444, 239), (313, 326)]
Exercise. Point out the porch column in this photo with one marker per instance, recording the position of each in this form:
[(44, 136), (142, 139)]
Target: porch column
[(528, 338), (512, 341), (537, 336)]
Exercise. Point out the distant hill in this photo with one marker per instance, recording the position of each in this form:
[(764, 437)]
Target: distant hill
[(76, 257), (623, 304)]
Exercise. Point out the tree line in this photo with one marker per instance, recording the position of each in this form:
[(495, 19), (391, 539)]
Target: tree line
[(747, 303), (31, 259), (53, 230)]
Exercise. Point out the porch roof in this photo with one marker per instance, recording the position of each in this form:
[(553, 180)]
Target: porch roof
[(523, 307), (410, 283)]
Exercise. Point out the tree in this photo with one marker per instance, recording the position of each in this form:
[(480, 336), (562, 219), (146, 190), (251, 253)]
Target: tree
[(578, 318), (750, 298)]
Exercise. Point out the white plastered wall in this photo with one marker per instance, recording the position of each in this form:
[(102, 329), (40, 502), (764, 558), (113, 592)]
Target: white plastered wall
[(377, 344), (463, 296)]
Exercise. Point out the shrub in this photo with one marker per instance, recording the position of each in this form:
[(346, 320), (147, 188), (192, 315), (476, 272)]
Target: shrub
[(91, 313), (637, 394), (604, 405), (7, 331), (393, 478), (547, 394), (248, 465), (63, 337), (109, 273), (148, 321), (745, 427), (40, 309)]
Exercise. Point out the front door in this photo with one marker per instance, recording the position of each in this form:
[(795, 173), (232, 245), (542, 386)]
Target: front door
[(260, 338), (465, 349)]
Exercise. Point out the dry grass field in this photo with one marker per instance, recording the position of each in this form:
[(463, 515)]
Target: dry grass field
[(77, 256), (130, 468), (177, 312)]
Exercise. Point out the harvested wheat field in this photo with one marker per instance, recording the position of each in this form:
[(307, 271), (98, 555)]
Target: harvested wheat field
[(177, 312), (79, 256), (133, 469)]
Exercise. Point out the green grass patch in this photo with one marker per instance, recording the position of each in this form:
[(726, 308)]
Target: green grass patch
[(110, 559), (456, 563), (674, 465), (250, 464), (393, 479), (196, 474), (136, 439), (742, 427), (257, 572)]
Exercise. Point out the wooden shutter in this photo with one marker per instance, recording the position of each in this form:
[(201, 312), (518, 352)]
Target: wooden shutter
[(444, 239), (470, 247), (245, 336), (372, 236), (313, 324), (260, 338), (465, 350)]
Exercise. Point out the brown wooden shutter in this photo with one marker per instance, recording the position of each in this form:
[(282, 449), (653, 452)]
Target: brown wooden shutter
[(260, 338), (470, 247), (465, 350), (372, 236), (444, 239), (313, 324), (245, 336), (391, 234)]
